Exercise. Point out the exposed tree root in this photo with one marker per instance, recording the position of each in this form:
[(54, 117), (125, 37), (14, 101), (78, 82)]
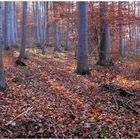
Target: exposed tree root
[(105, 63), (20, 63), (3, 88), (84, 72), (16, 79), (66, 49), (124, 104), (57, 49), (120, 91), (116, 103)]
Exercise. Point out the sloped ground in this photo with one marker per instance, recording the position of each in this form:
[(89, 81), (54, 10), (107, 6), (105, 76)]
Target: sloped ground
[(48, 100)]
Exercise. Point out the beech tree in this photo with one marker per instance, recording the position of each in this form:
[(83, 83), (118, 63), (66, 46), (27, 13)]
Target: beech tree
[(56, 38), (68, 28), (82, 52), (62, 31), (7, 25), (23, 43), (44, 27), (12, 27), (2, 77), (37, 22), (120, 29), (15, 21), (105, 48)]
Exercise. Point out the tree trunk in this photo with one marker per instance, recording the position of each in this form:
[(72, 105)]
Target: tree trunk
[(62, 31), (68, 28), (23, 43), (12, 30), (2, 77), (56, 39), (105, 49), (7, 25), (37, 26), (15, 22), (120, 30), (44, 29), (82, 53)]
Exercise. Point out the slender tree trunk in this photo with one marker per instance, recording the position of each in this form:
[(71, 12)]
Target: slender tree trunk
[(12, 30), (15, 22), (56, 39), (120, 30), (48, 25), (45, 27), (130, 32), (3, 84), (62, 31), (105, 49), (82, 54), (7, 25), (72, 20), (38, 26), (135, 29), (48, 33), (35, 24), (23, 43), (68, 28), (40, 21)]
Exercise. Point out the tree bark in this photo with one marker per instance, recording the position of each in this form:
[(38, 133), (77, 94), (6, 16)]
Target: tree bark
[(105, 49), (68, 28), (3, 84), (56, 39), (23, 43), (82, 53), (7, 25)]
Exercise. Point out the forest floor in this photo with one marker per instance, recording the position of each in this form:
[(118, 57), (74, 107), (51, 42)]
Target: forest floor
[(47, 99)]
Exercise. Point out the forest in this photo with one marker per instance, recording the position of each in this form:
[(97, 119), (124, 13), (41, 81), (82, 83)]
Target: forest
[(70, 69)]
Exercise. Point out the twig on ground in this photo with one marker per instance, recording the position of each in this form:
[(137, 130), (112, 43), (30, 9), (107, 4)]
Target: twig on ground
[(19, 116), (116, 103), (3, 128)]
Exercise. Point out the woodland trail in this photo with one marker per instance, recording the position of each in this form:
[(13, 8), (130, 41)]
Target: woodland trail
[(63, 104)]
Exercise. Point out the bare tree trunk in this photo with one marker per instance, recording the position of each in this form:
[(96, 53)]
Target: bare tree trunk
[(105, 57), (120, 29), (56, 38), (3, 84), (68, 27), (82, 54), (23, 43)]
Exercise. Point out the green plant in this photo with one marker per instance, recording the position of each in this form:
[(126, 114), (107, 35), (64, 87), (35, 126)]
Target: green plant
[(81, 117), (104, 132), (63, 44), (138, 71)]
